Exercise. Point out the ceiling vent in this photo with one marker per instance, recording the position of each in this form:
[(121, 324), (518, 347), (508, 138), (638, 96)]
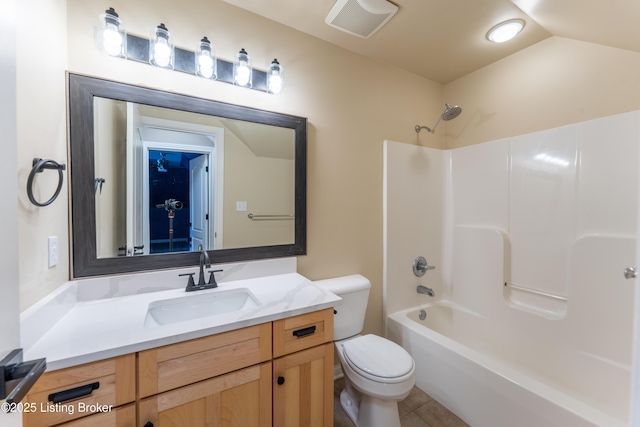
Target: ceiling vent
[(361, 17)]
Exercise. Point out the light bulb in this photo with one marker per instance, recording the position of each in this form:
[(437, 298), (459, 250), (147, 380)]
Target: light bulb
[(206, 60), (274, 78), (162, 53), (242, 69), (242, 74), (205, 64), (112, 33), (112, 40), (160, 49)]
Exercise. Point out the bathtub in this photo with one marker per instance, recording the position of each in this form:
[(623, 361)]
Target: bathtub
[(461, 363)]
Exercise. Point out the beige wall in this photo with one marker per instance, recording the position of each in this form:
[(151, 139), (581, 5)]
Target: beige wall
[(110, 125), (553, 83), (353, 104), (267, 185), (42, 133)]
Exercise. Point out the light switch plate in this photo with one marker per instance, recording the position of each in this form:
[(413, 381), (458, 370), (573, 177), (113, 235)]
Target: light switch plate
[(241, 206)]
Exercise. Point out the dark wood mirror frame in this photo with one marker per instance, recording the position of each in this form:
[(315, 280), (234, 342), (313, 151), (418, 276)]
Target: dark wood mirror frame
[(81, 93)]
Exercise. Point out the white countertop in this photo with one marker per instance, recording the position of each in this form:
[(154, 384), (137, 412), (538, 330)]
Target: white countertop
[(85, 329)]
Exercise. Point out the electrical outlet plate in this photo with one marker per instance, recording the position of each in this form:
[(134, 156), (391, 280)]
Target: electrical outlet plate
[(53, 251)]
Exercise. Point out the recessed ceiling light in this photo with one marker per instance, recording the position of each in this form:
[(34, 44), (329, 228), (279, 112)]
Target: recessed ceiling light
[(505, 31)]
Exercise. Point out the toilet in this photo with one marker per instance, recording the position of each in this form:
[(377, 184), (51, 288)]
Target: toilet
[(378, 373)]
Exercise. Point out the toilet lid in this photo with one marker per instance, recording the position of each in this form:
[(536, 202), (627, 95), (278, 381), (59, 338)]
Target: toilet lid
[(378, 356)]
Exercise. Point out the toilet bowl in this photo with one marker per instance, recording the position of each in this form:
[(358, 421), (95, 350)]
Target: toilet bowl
[(378, 373), (374, 381)]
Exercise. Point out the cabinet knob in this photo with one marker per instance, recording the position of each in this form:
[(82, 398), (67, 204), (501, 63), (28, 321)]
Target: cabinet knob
[(148, 424), (280, 380)]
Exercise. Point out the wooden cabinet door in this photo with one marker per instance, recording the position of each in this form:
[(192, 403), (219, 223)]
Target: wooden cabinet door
[(239, 399), (303, 388)]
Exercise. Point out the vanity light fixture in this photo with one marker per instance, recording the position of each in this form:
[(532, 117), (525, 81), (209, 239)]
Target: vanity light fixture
[(242, 73), (158, 50), (206, 63), (505, 31), (161, 48), (112, 36), (274, 78)]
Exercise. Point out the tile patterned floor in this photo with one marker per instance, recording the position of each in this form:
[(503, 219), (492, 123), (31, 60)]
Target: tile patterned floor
[(417, 410)]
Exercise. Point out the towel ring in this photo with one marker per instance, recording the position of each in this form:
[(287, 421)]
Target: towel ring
[(38, 166)]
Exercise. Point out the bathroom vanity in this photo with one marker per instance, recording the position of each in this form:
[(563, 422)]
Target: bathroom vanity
[(256, 366)]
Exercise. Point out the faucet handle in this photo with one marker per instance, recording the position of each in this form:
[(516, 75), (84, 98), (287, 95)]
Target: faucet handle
[(420, 266), (212, 278), (190, 283)]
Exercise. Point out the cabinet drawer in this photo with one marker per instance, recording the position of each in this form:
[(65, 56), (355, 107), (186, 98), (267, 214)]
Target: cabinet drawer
[(301, 332), (124, 416), (76, 392), (172, 366)]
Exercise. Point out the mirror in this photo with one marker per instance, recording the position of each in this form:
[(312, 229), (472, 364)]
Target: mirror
[(156, 175)]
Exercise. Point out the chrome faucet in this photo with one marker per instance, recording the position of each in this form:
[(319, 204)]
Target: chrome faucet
[(205, 262), (424, 290)]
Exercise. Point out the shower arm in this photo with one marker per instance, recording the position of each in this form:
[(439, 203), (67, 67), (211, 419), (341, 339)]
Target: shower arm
[(449, 113), (432, 130)]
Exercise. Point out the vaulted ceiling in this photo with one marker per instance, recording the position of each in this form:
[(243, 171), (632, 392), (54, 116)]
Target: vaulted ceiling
[(443, 40)]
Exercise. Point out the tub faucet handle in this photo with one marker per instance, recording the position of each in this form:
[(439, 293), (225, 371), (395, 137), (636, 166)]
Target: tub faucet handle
[(420, 266)]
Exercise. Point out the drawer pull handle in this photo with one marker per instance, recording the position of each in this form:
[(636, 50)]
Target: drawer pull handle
[(304, 332), (280, 380), (73, 393)]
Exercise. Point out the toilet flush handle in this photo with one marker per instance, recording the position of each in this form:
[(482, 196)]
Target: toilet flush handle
[(630, 273)]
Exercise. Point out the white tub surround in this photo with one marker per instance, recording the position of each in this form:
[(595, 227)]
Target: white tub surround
[(470, 375), (98, 318), (532, 234)]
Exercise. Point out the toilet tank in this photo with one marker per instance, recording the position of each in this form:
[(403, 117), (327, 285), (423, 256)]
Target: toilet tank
[(354, 291)]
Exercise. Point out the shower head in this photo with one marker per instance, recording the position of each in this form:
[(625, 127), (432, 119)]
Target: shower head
[(449, 113)]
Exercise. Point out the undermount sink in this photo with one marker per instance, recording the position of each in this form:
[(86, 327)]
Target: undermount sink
[(197, 306)]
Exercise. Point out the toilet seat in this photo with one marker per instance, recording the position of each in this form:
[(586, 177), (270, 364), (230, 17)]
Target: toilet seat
[(378, 359)]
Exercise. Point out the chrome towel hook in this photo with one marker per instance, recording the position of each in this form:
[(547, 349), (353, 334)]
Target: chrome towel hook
[(38, 166)]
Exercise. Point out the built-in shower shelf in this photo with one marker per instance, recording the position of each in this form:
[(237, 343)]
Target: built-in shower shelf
[(535, 301)]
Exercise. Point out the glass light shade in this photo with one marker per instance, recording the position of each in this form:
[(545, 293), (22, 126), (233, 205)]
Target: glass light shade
[(275, 81), (505, 31), (112, 35), (242, 73), (206, 64), (161, 48)]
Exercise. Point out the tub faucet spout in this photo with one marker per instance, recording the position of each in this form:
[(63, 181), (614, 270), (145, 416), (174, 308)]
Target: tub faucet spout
[(424, 290)]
